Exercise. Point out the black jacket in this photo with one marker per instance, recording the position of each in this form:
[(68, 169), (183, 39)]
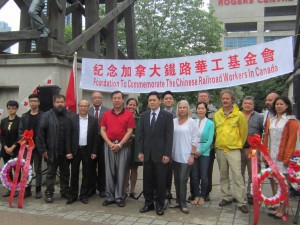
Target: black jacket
[(73, 135), (157, 143), (9, 137), (24, 124), (47, 136)]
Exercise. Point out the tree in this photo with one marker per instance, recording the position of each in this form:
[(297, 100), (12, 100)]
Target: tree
[(68, 33), (174, 28), (259, 90)]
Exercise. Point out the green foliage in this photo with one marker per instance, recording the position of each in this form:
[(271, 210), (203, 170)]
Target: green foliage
[(68, 33), (174, 28), (260, 90)]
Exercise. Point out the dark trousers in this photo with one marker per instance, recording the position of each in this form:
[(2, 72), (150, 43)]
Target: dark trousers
[(169, 178), (97, 180), (36, 162), (209, 175), (200, 172), (154, 182), (212, 157), (63, 164), (181, 176), (82, 155)]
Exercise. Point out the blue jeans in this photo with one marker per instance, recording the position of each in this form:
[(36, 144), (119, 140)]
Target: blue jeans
[(200, 171)]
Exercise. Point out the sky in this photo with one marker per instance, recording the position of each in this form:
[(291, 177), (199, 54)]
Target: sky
[(10, 13)]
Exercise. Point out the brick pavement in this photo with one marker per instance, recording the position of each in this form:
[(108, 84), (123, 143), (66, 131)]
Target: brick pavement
[(38, 212)]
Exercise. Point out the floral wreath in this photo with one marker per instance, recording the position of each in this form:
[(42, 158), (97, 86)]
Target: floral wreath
[(294, 171), (6, 170), (275, 200)]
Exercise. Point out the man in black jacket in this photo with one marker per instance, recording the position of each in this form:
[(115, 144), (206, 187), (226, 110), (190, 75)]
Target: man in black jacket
[(51, 143), (155, 150), (31, 121), (82, 145)]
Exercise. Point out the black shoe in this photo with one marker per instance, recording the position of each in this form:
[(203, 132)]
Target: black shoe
[(224, 203), (207, 198), (160, 211), (6, 194), (102, 194), (234, 200), (27, 194), (147, 208), (132, 195), (121, 203), (38, 195), (107, 202), (84, 200), (48, 198), (71, 200), (64, 195)]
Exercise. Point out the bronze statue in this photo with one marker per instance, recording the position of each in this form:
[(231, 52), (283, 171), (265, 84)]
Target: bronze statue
[(35, 11)]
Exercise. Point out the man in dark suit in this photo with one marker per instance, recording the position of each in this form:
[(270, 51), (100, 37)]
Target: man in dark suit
[(98, 181), (81, 144), (155, 146)]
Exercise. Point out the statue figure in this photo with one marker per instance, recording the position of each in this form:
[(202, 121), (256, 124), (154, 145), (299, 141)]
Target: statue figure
[(35, 11)]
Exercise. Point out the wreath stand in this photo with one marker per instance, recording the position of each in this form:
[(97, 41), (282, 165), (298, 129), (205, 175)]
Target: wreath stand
[(295, 221)]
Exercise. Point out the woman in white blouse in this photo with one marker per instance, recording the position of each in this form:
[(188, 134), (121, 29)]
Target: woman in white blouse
[(281, 137), (183, 151)]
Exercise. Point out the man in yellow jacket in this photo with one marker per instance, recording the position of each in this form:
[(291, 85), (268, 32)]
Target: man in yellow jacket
[(231, 133)]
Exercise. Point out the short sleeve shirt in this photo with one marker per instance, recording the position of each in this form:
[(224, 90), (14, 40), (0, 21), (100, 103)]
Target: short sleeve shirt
[(117, 124)]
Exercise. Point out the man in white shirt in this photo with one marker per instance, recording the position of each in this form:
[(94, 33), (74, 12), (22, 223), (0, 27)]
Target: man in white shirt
[(81, 144)]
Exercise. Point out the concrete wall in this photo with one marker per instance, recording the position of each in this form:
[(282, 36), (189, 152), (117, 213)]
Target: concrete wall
[(241, 11), (19, 77)]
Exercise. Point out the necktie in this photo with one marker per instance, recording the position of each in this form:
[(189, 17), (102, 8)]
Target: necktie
[(97, 113), (152, 124)]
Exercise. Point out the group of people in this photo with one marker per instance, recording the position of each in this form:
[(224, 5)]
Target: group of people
[(112, 143)]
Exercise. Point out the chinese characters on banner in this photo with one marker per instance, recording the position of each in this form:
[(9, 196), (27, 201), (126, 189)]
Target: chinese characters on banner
[(192, 73)]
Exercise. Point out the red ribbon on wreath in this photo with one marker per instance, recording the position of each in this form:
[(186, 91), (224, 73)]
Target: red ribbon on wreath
[(26, 140), (256, 144)]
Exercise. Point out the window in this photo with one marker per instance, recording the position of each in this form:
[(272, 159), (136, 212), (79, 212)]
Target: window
[(240, 27), (238, 42), (272, 38), (281, 11), (288, 25)]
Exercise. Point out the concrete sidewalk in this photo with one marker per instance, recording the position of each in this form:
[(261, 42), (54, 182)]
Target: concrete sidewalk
[(37, 212)]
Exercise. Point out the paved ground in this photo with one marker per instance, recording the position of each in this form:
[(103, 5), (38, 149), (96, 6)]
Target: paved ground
[(37, 212)]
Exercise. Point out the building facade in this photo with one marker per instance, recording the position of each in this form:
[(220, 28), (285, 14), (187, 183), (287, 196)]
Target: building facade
[(250, 22)]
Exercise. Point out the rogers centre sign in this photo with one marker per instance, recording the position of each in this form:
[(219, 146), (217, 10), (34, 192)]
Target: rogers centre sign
[(248, 2)]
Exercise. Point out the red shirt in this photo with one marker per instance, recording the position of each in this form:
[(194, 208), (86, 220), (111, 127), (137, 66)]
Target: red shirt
[(117, 125)]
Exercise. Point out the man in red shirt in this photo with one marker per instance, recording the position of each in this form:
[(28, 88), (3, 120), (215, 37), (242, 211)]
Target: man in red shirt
[(116, 128)]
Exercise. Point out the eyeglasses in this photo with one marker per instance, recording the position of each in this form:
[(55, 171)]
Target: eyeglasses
[(12, 108)]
